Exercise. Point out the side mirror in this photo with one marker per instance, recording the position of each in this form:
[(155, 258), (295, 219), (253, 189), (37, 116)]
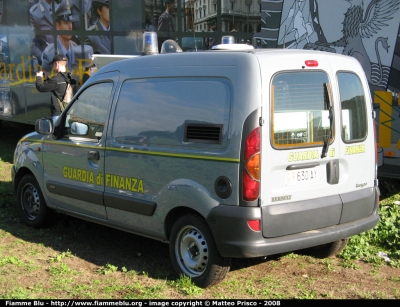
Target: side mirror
[(44, 126), (79, 128)]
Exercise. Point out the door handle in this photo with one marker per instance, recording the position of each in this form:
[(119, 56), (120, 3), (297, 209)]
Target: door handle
[(93, 155), (332, 171)]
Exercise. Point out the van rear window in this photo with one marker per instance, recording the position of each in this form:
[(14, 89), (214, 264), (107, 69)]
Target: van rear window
[(172, 112), (300, 109), (354, 113)]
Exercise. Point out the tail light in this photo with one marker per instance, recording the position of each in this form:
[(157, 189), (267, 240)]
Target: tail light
[(251, 173), (254, 225)]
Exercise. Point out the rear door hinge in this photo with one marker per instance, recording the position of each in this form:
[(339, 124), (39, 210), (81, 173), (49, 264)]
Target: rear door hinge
[(260, 202), (261, 121)]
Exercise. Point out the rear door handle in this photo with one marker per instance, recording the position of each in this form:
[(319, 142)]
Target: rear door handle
[(93, 155), (332, 171)]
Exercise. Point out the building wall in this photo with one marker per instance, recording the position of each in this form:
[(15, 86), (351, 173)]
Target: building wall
[(235, 14)]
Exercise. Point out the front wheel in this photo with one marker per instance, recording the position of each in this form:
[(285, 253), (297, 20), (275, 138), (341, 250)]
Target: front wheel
[(194, 253), (31, 205)]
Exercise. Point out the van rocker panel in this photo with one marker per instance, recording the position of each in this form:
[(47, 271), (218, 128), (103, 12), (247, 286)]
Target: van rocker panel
[(80, 193), (235, 239), (129, 204), (124, 203), (288, 218)]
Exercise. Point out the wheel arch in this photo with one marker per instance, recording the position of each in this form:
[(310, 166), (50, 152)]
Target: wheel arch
[(174, 215), (23, 171)]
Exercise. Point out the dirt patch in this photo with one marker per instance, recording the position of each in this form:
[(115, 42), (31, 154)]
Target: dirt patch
[(73, 258), (78, 259)]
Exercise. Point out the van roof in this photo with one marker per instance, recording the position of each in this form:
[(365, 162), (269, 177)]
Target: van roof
[(209, 57)]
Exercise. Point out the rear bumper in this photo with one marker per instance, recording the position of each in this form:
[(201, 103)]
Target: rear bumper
[(235, 239)]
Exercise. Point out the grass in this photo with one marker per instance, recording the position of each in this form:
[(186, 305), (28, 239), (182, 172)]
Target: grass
[(77, 259), (383, 239)]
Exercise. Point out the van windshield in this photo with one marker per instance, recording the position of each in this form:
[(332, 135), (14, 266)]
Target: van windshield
[(300, 109)]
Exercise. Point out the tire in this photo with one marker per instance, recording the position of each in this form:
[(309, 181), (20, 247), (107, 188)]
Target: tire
[(194, 253), (325, 250), (30, 202)]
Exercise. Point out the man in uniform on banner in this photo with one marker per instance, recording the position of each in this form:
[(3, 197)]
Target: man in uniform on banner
[(100, 43), (65, 45), (41, 18)]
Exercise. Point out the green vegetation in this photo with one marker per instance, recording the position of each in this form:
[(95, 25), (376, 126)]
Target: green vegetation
[(383, 240), (61, 256), (107, 269), (76, 259)]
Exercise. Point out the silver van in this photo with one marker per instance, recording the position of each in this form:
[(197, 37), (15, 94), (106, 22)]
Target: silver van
[(222, 154)]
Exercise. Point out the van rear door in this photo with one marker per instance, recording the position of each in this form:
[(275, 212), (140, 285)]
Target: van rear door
[(356, 154), (299, 187)]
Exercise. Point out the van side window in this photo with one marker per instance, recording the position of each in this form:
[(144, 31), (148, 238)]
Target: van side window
[(173, 112), (87, 115), (352, 98), (300, 109)]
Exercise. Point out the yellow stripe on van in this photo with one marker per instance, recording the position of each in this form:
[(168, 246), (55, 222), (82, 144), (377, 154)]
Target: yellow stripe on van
[(172, 155), (72, 145), (141, 152)]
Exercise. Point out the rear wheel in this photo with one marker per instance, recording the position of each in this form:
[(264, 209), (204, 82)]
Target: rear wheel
[(31, 205), (194, 253), (325, 250)]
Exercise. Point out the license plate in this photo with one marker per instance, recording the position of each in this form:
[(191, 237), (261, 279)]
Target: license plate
[(300, 176)]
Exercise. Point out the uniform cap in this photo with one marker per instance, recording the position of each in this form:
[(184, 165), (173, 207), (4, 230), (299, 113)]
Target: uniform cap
[(213, 22), (59, 57), (98, 4), (63, 11), (168, 1), (101, 2)]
